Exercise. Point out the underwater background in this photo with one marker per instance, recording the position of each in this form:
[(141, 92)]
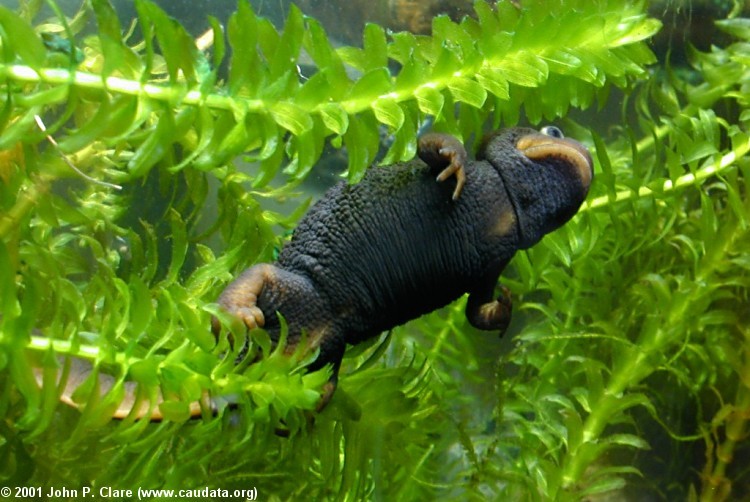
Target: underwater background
[(150, 151)]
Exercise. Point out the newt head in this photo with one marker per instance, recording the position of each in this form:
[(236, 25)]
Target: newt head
[(550, 144), (546, 176)]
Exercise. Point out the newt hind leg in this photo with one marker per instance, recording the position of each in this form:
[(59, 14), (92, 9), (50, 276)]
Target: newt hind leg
[(240, 298), (263, 290)]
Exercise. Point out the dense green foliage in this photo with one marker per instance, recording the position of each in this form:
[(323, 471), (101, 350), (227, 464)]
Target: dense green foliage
[(631, 322)]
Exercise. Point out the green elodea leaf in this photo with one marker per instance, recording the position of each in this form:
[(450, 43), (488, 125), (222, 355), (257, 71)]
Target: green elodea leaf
[(118, 57), (176, 46), (21, 44), (292, 118), (430, 100), (388, 112), (335, 118)]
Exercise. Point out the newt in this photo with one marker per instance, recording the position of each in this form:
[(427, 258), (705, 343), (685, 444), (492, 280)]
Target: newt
[(413, 237), (404, 241)]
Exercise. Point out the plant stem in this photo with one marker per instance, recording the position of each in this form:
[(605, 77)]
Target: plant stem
[(177, 93), (59, 76), (716, 486), (42, 343), (26, 200), (77, 350), (724, 163)]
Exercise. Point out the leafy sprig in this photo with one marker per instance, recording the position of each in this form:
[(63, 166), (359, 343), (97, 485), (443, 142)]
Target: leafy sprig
[(642, 284), (264, 103)]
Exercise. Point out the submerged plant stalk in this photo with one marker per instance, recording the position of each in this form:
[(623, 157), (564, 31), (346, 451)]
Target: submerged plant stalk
[(722, 164), (717, 486)]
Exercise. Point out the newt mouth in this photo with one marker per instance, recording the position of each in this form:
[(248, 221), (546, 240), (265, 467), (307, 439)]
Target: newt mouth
[(540, 147)]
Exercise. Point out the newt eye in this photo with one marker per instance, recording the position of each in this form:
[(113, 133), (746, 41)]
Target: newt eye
[(552, 131)]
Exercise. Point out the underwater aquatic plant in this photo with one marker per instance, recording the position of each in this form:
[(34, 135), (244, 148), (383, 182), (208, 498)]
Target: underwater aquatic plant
[(646, 311), (125, 277)]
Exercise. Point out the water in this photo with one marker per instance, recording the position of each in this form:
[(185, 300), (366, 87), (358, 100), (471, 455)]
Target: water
[(621, 376)]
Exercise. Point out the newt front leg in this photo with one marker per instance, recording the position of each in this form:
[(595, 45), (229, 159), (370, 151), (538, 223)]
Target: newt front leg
[(486, 312), (492, 314), (437, 150)]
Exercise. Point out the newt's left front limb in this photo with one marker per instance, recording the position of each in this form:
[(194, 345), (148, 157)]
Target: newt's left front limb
[(447, 153)]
